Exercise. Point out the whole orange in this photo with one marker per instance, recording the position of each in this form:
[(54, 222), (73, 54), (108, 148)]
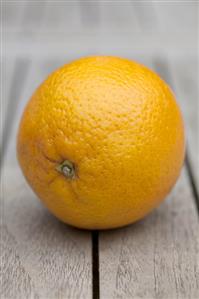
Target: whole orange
[(101, 142)]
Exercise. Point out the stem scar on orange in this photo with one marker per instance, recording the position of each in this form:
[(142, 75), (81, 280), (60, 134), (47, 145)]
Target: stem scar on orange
[(101, 142)]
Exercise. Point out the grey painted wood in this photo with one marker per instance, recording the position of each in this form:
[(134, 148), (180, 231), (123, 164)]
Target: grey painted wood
[(12, 98), (11, 15), (15, 281), (7, 67), (60, 17), (157, 257), (117, 17), (32, 17), (146, 15), (89, 12), (186, 81), (26, 87), (42, 257), (177, 16)]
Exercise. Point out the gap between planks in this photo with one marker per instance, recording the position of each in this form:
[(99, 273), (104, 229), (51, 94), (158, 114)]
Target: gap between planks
[(192, 181), (95, 264)]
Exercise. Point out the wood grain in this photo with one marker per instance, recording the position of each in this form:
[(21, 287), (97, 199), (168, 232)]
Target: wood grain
[(157, 257), (48, 257), (15, 281)]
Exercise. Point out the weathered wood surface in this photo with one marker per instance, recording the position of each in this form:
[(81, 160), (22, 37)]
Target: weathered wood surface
[(157, 257), (185, 76), (41, 257), (7, 73)]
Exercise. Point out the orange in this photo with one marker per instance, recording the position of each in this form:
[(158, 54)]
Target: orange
[(101, 142)]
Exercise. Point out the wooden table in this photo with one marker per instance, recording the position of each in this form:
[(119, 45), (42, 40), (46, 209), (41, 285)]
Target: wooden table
[(41, 257)]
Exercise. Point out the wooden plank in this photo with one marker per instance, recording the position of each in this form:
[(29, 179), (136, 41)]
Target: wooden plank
[(32, 17), (185, 76), (36, 74), (15, 281), (146, 15), (11, 15), (62, 17), (156, 257), (89, 13), (7, 68), (118, 17), (54, 259), (11, 99), (177, 16)]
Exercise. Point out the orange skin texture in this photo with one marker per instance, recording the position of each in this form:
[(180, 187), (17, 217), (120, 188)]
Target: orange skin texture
[(119, 124)]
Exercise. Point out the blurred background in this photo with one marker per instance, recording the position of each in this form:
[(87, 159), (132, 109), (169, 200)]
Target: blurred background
[(39, 36), (76, 28)]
